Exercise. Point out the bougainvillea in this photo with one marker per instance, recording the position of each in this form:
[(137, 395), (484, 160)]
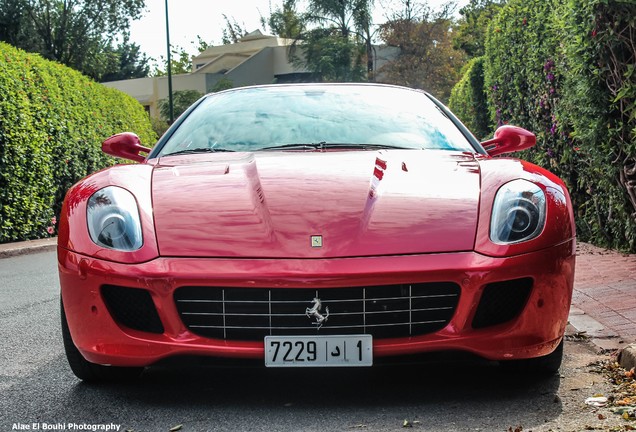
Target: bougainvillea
[(599, 105)]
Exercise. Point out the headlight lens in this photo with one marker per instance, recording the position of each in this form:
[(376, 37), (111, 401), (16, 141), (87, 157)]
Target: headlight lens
[(113, 219), (518, 212)]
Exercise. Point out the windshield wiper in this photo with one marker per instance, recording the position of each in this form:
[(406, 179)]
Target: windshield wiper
[(365, 146), (325, 145), (292, 146), (199, 150)]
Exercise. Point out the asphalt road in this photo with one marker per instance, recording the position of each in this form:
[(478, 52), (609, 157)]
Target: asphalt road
[(37, 387)]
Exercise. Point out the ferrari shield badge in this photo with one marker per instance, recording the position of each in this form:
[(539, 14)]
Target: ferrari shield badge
[(316, 241)]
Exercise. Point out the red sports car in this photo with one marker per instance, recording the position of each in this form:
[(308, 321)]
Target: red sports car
[(315, 226)]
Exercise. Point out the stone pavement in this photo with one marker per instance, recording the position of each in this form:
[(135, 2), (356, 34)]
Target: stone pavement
[(604, 298)]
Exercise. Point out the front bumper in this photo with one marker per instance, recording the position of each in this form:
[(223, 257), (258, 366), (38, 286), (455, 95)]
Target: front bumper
[(534, 332)]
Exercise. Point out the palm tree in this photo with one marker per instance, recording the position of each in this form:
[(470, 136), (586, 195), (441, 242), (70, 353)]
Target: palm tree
[(345, 24)]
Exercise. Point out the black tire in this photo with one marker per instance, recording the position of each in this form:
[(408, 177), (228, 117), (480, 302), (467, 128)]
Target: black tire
[(91, 372), (545, 366)]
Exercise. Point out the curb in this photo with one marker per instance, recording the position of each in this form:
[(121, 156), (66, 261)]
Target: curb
[(8, 250), (603, 339), (627, 357)]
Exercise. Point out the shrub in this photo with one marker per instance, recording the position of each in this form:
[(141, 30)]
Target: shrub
[(469, 101), (52, 123), (565, 70), (599, 105), (181, 101)]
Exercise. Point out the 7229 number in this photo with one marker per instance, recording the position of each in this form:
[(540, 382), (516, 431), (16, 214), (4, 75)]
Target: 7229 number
[(298, 351)]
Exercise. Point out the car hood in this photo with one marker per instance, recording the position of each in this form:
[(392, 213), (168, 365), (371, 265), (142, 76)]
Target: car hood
[(315, 204)]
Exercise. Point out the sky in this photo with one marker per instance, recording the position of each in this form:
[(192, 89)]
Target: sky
[(189, 18)]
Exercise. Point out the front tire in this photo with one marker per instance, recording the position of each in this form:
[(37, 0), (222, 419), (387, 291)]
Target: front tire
[(91, 372), (545, 366)]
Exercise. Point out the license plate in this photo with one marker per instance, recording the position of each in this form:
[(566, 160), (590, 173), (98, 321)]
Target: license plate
[(318, 351)]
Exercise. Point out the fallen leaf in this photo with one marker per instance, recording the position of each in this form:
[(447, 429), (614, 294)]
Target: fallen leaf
[(601, 417), (176, 428)]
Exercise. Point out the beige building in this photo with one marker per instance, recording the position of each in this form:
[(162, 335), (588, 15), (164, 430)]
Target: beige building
[(255, 59)]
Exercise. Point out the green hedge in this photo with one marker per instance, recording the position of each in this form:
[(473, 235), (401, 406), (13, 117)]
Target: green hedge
[(469, 101), (599, 108), (565, 70), (52, 123)]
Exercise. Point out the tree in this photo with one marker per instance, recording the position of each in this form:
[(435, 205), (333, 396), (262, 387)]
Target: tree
[(132, 62), (285, 21), (427, 59), (180, 62), (222, 84), (330, 56), (181, 101), (470, 34), (337, 49), (77, 33), (12, 18), (233, 31)]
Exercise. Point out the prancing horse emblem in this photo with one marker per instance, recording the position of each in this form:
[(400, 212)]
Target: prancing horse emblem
[(315, 312)]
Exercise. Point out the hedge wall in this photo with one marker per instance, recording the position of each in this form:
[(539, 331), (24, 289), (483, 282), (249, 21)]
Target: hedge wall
[(565, 70), (599, 108), (52, 123), (469, 101)]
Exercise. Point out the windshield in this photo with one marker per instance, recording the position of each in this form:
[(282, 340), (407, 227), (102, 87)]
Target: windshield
[(299, 117)]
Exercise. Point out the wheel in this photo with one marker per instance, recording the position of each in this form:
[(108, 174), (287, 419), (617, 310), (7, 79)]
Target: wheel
[(546, 365), (91, 372)]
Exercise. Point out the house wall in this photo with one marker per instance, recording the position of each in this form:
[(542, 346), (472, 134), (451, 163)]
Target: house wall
[(258, 69), (282, 63), (247, 45), (181, 82), (222, 63), (150, 91)]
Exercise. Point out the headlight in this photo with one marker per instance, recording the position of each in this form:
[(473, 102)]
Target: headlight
[(113, 219), (518, 213)]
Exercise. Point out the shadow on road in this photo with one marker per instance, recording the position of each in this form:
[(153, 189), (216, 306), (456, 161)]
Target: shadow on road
[(436, 380), (440, 395)]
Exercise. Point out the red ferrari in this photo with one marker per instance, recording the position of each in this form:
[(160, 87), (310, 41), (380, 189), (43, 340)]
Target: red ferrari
[(315, 226)]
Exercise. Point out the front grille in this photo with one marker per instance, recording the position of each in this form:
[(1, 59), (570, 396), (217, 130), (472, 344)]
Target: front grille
[(132, 307), (388, 311)]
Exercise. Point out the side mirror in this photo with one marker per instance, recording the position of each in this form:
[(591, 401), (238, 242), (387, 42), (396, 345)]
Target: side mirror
[(509, 139), (125, 145)]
